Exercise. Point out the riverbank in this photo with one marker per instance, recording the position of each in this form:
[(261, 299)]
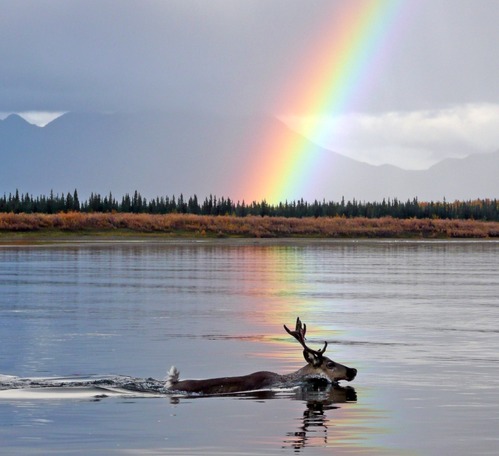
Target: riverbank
[(46, 226)]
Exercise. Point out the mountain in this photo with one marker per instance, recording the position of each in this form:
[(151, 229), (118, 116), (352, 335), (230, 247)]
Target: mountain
[(165, 154), (156, 154)]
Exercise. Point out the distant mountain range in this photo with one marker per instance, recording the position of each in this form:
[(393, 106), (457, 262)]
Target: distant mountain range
[(166, 154)]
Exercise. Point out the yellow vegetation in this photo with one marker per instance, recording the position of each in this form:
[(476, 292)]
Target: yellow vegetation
[(251, 226)]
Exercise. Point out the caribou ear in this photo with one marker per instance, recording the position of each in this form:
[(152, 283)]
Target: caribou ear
[(312, 358)]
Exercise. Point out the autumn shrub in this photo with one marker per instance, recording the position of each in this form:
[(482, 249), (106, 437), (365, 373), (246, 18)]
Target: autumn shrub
[(250, 226)]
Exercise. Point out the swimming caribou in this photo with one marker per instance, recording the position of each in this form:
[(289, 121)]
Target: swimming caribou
[(318, 367)]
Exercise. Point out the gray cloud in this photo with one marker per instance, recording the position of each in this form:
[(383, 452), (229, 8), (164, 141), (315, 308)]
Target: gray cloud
[(226, 55), (115, 55)]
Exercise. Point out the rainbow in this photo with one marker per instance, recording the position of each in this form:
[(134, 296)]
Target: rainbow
[(346, 58)]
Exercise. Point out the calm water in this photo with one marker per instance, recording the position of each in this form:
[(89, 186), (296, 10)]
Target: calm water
[(419, 320)]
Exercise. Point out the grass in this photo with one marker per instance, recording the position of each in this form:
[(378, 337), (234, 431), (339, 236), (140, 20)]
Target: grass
[(33, 226)]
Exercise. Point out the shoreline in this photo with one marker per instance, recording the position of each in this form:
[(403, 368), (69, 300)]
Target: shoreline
[(40, 228)]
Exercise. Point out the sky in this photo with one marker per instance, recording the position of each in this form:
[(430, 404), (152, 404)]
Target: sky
[(431, 91)]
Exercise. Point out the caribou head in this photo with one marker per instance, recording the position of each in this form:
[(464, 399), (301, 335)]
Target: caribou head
[(319, 366)]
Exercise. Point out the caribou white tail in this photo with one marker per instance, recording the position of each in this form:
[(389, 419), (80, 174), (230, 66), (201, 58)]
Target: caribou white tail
[(318, 367)]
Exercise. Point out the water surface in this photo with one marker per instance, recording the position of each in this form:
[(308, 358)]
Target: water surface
[(417, 319)]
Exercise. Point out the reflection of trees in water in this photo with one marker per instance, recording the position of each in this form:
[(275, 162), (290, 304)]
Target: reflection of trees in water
[(314, 428)]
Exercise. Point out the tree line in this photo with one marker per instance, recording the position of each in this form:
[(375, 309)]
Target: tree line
[(479, 209)]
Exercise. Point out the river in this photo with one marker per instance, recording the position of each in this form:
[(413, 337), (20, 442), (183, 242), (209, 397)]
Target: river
[(419, 320)]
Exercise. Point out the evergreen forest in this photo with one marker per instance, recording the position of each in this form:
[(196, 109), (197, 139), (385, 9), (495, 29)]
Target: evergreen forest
[(479, 209)]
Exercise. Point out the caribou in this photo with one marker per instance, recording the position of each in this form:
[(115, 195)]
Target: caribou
[(318, 368)]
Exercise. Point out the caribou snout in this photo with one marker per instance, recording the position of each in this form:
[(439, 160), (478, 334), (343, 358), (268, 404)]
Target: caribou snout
[(351, 374)]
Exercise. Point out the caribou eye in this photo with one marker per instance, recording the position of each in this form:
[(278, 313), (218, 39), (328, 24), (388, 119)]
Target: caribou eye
[(331, 365)]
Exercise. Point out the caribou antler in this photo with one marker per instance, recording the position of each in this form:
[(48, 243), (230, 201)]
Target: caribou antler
[(299, 335)]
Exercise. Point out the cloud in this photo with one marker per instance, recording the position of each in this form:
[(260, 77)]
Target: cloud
[(232, 57), (40, 118), (108, 55), (410, 140)]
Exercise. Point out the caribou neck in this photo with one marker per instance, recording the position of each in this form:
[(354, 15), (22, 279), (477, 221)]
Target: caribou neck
[(306, 372)]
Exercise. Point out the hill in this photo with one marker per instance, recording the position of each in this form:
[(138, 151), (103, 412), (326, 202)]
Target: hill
[(173, 153)]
